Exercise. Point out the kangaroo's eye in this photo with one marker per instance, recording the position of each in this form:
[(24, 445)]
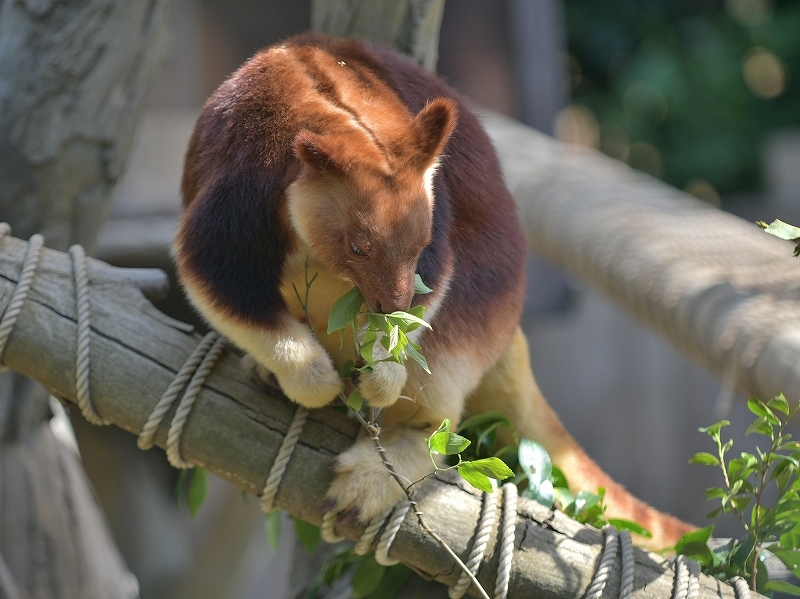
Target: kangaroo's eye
[(357, 250)]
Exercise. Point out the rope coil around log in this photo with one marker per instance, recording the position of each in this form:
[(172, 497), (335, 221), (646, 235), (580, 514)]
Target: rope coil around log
[(196, 370)]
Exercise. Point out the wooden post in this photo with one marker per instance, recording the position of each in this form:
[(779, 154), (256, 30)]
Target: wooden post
[(409, 26), (74, 76)]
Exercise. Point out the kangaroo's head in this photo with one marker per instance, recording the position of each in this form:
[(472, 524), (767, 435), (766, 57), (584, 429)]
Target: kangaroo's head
[(365, 206)]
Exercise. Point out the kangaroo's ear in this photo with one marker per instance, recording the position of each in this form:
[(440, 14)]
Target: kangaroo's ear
[(431, 129), (319, 152)]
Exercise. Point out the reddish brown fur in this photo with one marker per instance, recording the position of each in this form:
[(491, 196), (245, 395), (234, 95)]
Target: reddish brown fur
[(323, 144)]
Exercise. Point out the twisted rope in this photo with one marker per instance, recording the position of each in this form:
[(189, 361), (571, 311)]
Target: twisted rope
[(370, 532), (20, 294), (83, 312), (482, 533), (282, 459), (187, 401), (390, 532), (145, 440), (687, 582), (507, 535), (326, 529), (626, 555), (741, 588), (607, 559)]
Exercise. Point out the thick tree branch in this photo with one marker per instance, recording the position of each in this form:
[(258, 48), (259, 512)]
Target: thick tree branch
[(715, 285), (235, 431)]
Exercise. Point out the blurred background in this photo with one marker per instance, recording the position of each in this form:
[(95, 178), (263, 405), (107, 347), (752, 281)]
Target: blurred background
[(704, 94)]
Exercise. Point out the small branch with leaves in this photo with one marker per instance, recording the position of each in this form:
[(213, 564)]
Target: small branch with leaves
[(748, 480)]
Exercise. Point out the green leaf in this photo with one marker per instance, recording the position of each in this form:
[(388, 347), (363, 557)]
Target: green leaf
[(420, 288), (476, 479), (782, 587), (448, 443), (621, 524), (393, 581), (780, 229), (308, 534), (759, 426), (492, 467), (759, 408), (197, 491), (762, 576), (535, 461), (418, 311), (378, 323), (394, 338), (704, 458), (444, 426), (695, 544), (407, 318), (779, 404), (412, 349), (366, 346), (789, 557), (367, 577), (485, 418), (713, 430), (272, 528), (345, 310), (559, 478), (563, 496), (585, 501), (355, 400), (744, 549), (542, 493), (791, 539), (346, 371), (477, 473)]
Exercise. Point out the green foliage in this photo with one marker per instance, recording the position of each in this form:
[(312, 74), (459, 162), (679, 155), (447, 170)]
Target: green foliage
[(370, 579), (476, 472), (671, 74), (782, 230), (773, 528), (272, 529), (390, 330), (530, 464), (191, 488)]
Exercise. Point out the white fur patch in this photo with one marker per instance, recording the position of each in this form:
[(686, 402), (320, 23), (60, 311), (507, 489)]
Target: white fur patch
[(301, 365), (362, 480), (427, 181)]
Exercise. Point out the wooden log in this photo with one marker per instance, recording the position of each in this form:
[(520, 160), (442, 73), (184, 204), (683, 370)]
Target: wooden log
[(235, 430), (723, 291)]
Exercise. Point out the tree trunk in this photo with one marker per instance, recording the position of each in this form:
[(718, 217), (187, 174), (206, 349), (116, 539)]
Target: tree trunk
[(73, 75), (409, 26)]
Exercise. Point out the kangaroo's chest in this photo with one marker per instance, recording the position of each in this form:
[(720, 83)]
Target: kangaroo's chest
[(310, 289)]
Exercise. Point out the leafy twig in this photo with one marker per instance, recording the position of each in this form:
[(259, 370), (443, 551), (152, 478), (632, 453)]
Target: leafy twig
[(373, 430)]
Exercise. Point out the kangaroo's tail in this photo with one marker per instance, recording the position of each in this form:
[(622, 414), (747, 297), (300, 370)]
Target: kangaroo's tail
[(510, 387)]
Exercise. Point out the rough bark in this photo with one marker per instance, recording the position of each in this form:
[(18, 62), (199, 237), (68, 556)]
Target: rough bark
[(408, 26), (74, 76), (235, 431), (72, 80)]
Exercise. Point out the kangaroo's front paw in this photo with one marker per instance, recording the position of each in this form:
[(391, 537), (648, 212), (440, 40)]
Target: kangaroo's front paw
[(383, 385), (364, 485), (312, 385), (304, 372)]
